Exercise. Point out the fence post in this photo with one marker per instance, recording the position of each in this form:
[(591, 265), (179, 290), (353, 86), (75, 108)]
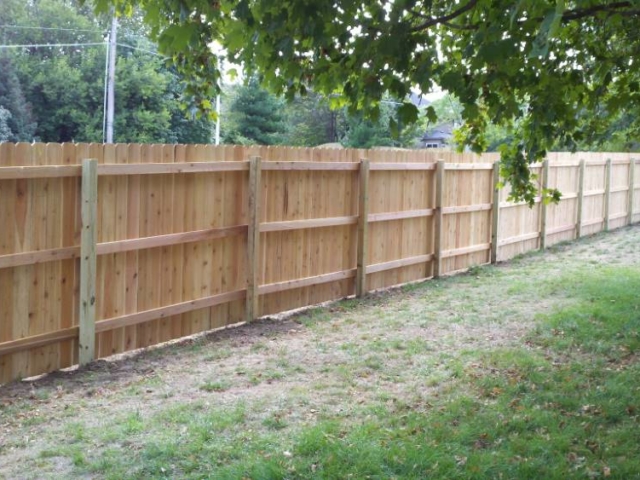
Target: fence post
[(580, 197), (363, 229), (88, 240), (495, 213), (253, 239), (437, 230), (607, 195), (543, 205), (632, 178)]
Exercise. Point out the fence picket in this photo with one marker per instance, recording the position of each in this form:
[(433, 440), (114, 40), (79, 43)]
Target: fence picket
[(495, 213), (253, 243), (632, 187), (87, 336), (544, 205), (607, 195), (437, 231), (363, 229), (580, 206)]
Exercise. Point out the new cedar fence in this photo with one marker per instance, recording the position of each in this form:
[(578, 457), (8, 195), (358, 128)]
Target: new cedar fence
[(109, 248)]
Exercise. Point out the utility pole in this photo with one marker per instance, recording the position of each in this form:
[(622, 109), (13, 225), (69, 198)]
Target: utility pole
[(218, 119), (111, 78), (218, 111)]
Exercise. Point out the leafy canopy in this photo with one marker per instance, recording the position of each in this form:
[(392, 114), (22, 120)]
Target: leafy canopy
[(533, 66), (56, 93)]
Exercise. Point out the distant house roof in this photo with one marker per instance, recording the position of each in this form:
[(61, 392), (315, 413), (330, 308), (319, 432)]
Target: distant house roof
[(440, 132)]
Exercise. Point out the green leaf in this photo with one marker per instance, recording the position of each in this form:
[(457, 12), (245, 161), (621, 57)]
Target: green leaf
[(408, 113), (431, 114)]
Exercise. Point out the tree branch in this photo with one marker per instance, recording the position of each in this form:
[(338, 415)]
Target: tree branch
[(435, 21), (570, 15)]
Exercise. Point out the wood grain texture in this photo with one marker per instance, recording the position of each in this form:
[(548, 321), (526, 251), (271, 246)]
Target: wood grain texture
[(310, 223), (402, 262), (43, 171), (306, 282), (580, 207), (172, 232), (607, 194), (164, 168), (87, 333), (545, 206), (631, 195), (363, 229), (437, 231), (384, 217), (253, 244), (495, 213)]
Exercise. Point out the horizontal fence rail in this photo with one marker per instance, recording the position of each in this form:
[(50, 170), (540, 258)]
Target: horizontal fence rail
[(109, 248)]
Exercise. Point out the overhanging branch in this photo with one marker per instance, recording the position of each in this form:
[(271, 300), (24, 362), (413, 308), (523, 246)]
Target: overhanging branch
[(446, 18), (577, 14)]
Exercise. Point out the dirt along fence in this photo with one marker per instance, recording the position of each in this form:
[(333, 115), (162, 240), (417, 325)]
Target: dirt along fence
[(109, 248)]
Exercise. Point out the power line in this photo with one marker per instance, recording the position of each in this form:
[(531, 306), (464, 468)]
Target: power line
[(89, 44), (41, 45), (138, 48), (25, 27)]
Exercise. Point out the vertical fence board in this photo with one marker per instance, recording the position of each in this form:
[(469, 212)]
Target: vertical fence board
[(437, 233), (363, 229), (88, 242), (253, 244), (636, 196), (544, 205), (631, 194), (607, 195), (495, 212), (580, 207)]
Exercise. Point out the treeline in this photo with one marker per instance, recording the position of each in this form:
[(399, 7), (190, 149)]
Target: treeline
[(254, 116), (56, 93)]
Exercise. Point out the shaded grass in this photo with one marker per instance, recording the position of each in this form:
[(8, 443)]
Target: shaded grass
[(563, 404), (398, 387)]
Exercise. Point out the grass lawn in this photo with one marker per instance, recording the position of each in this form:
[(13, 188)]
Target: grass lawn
[(529, 369)]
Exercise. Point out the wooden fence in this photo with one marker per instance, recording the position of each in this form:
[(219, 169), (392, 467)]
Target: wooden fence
[(110, 248)]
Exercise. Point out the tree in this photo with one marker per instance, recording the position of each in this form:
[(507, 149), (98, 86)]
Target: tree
[(309, 121), (386, 130), (256, 116), (5, 131), (18, 118), (361, 132), (61, 88), (448, 109), (557, 57)]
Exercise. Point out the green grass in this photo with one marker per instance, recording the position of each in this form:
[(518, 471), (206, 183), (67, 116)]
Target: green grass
[(395, 390), (217, 386), (565, 404)]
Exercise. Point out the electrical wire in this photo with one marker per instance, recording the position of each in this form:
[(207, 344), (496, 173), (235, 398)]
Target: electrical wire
[(24, 27), (90, 44), (138, 48), (43, 45)]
